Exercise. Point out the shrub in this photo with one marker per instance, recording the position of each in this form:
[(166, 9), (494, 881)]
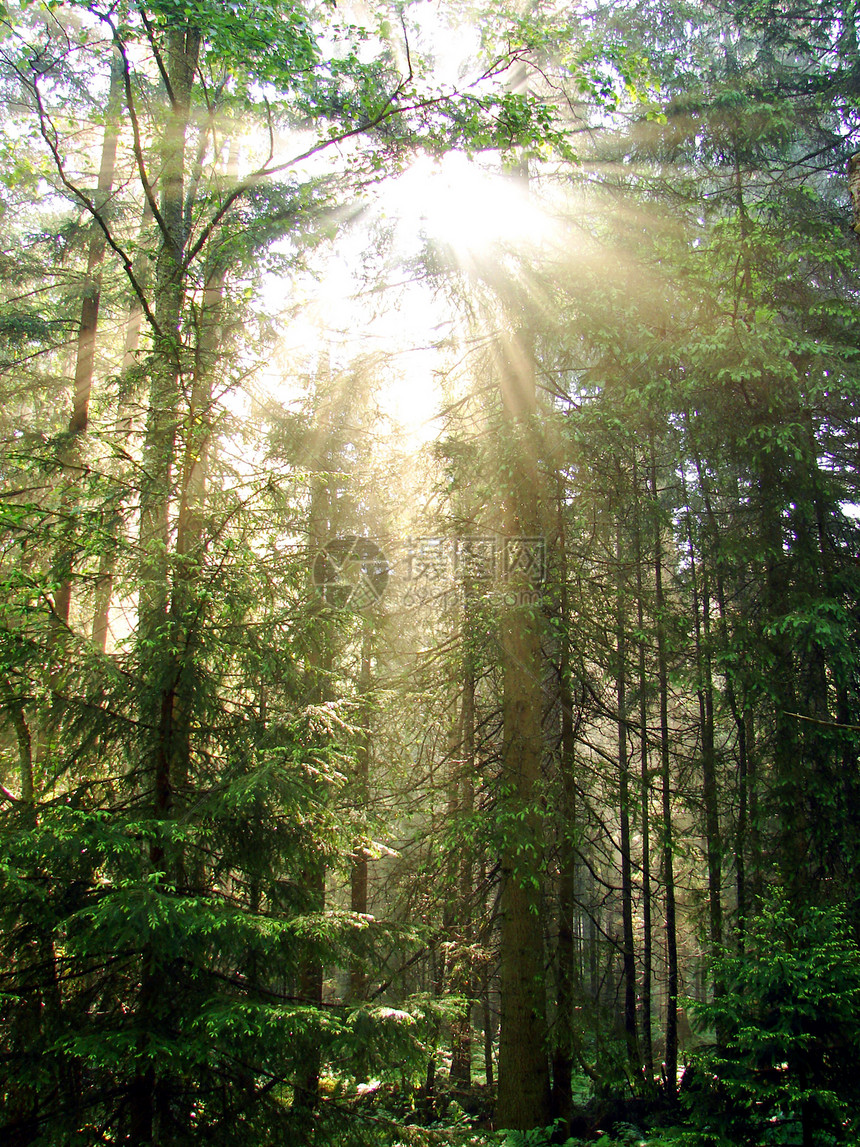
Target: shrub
[(788, 1070)]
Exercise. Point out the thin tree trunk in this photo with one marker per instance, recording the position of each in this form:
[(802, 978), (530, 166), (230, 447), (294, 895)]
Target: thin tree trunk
[(487, 1018), (738, 716), (645, 785), (462, 979), (790, 805), (705, 696), (670, 1067), (86, 341), (122, 430), (359, 873), (628, 950), (563, 1059), (306, 1093)]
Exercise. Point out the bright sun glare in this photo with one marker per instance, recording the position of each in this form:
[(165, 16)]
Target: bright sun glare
[(468, 207)]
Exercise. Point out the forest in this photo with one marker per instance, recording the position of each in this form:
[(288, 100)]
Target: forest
[(430, 566)]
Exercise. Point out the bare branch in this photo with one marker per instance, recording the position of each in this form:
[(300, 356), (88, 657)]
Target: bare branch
[(157, 55), (135, 130), (388, 110)]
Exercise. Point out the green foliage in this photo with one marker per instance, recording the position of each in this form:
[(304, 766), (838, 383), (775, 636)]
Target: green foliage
[(623, 1135), (87, 917), (272, 39), (789, 1020), (536, 1137), (165, 940)]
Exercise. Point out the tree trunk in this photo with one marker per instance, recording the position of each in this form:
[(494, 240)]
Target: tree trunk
[(147, 1098), (645, 786), (358, 873), (628, 950), (562, 1055), (705, 695), (306, 1092), (86, 341), (122, 429), (462, 978), (523, 1067), (733, 680), (670, 1066), (790, 788)]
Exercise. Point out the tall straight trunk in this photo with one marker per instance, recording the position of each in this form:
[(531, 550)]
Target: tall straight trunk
[(122, 430), (831, 834), (323, 512), (756, 874), (645, 787), (462, 977), (739, 716), (745, 828), (208, 349), (162, 424), (445, 956), (628, 949), (792, 834), (358, 872), (148, 1093), (709, 777), (771, 538), (701, 604), (487, 1024), (746, 799), (523, 1100), (670, 1067), (741, 833), (486, 977), (442, 956), (186, 610), (86, 341), (562, 1057)]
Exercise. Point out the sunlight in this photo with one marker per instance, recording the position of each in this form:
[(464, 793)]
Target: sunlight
[(344, 321), (467, 207), (476, 214)]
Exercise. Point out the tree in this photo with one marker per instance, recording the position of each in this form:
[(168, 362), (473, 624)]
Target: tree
[(197, 749), (788, 1020), (188, 781)]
